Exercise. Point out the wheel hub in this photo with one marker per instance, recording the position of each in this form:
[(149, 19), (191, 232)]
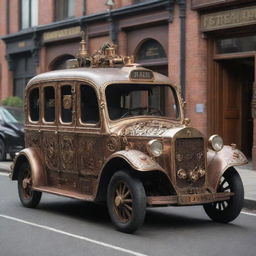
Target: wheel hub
[(118, 201), (25, 183)]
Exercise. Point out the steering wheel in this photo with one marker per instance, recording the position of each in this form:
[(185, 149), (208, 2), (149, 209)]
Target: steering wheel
[(150, 110)]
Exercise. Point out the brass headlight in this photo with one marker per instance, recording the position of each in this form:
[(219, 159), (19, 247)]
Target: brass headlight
[(155, 148), (216, 142)]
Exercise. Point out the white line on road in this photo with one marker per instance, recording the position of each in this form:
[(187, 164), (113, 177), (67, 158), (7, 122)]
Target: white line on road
[(4, 174), (74, 236), (249, 213)]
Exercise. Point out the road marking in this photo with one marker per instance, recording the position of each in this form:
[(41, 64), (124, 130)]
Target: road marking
[(4, 174), (249, 213), (117, 248)]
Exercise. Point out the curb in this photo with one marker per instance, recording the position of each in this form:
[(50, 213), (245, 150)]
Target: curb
[(249, 204)]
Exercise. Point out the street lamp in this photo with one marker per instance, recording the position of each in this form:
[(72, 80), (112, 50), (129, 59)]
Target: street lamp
[(112, 30), (110, 4)]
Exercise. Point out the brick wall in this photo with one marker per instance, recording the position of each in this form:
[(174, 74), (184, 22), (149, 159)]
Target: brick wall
[(46, 11), (174, 48), (5, 90), (196, 71), (14, 16)]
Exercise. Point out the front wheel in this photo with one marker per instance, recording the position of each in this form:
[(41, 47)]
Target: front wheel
[(226, 211), (28, 197), (126, 200)]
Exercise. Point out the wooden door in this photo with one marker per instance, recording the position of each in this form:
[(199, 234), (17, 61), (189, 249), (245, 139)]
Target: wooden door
[(235, 90), (231, 105)]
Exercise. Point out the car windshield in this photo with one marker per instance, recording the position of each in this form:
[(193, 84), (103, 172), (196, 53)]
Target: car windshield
[(12, 115), (129, 100)]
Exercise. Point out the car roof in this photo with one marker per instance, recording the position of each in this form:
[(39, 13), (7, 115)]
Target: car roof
[(99, 76)]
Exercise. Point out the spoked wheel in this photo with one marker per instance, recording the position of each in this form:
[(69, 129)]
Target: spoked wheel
[(2, 150), (28, 197), (226, 211), (126, 202)]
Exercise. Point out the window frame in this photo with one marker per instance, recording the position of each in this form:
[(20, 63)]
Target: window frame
[(59, 105), (39, 105), (43, 103), (30, 10), (65, 12), (81, 123)]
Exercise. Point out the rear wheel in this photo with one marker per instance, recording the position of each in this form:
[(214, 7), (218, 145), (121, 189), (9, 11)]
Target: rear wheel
[(2, 150), (126, 201), (28, 197), (226, 211)]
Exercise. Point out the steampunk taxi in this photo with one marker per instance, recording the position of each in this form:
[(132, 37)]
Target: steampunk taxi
[(108, 130)]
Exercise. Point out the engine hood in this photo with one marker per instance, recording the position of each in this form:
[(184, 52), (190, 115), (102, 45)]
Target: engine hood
[(155, 128)]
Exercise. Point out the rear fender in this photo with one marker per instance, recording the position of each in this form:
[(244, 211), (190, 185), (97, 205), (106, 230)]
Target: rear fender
[(31, 156), (219, 162)]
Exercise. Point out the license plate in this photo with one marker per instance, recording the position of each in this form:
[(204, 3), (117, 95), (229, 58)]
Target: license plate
[(195, 199)]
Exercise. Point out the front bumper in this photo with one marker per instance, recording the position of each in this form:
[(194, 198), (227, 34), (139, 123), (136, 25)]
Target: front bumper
[(189, 199)]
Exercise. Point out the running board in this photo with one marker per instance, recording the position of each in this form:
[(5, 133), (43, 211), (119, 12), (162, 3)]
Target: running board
[(66, 193)]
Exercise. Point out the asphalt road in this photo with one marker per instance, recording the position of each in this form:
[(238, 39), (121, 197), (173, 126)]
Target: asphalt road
[(61, 226)]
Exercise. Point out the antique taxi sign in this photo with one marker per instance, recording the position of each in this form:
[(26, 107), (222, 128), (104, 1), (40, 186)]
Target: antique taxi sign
[(145, 75)]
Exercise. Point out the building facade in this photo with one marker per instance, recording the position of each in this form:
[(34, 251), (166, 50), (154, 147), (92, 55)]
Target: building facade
[(208, 47)]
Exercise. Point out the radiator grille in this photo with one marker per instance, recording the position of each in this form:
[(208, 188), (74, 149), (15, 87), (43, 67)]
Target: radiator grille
[(189, 156)]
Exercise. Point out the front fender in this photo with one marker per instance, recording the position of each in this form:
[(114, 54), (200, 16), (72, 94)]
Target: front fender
[(31, 156), (138, 160), (219, 162)]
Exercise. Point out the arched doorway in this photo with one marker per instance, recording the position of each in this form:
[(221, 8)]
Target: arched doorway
[(151, 54), (60, 62)]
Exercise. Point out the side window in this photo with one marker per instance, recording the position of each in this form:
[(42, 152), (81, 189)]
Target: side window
[(66, 104), (34, 104), (49, 104), (89, 105)]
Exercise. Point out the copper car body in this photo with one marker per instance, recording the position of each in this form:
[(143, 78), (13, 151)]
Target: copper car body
[(78, 159)]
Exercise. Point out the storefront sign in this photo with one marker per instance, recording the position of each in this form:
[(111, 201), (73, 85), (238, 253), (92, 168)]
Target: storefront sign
[(62, 33), (228, 19)]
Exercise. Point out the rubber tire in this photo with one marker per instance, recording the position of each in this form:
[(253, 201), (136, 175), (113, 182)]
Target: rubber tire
[(3, 150), (139, 201), (235, 203), (35, 198)]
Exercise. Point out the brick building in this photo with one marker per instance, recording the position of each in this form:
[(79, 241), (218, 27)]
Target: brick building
[(206, 46)]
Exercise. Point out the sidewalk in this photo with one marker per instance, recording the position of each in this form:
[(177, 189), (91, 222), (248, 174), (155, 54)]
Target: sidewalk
[(248, 176), (246, 172)]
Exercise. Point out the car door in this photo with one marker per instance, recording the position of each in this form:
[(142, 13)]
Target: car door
[(90, 155), (67, 137)]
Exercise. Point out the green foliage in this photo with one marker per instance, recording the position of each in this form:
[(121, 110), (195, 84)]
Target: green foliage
[(12, 101)]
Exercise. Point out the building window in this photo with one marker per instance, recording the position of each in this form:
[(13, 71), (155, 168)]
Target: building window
[(29, 13), (61, 62), (149, 50), (64, 9), (236, 44)]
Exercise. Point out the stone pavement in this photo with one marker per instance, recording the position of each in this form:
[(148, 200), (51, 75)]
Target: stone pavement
[(246, 172)]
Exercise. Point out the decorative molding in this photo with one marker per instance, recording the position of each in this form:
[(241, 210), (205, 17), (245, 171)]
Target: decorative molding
[(170, 10)]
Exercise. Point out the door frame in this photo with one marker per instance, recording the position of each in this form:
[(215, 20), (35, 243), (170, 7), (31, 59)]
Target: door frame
[(214, 106)]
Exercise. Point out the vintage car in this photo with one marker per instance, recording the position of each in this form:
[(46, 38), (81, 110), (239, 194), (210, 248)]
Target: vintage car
[(107, 130), (11, 131)]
